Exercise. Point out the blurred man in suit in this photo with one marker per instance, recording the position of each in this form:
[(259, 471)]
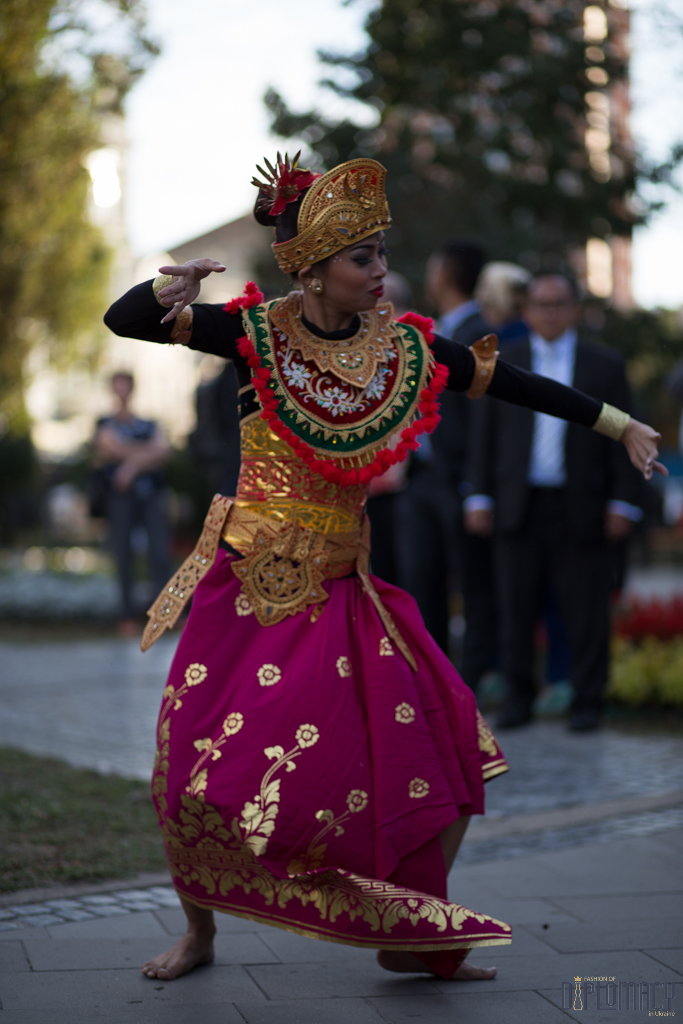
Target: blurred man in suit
[(557, 496), (429, 507)]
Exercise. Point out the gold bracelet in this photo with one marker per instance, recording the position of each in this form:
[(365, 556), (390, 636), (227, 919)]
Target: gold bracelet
[(611, 422), (182, 326), (485, 352), (162, 281)]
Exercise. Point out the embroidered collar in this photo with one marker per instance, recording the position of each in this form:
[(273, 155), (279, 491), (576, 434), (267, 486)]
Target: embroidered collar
[(352, 359)]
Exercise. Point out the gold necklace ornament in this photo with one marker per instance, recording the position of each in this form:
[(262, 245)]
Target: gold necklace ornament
[(353, 360)]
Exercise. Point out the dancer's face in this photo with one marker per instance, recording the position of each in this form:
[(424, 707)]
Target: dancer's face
[(353, 278)]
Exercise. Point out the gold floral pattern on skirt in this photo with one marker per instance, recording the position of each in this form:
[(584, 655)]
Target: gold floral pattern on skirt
[(405, 713), (418, 788), (269, 675), (385, 647), (343, 666)]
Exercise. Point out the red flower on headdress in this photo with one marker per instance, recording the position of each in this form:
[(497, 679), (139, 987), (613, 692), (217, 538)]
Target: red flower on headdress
[(285, 183)]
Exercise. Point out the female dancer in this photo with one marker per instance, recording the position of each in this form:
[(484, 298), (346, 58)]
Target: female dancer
[(318, 756)]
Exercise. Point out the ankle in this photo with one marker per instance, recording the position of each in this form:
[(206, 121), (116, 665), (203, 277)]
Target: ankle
[(203, 932)]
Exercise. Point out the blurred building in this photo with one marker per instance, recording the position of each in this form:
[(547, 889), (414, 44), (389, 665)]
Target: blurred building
[(605, 266)]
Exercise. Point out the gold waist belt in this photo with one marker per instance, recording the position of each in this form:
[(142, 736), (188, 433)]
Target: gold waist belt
[(281, 571)]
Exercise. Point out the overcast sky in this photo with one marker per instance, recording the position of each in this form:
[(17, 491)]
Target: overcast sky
[(197, 124)]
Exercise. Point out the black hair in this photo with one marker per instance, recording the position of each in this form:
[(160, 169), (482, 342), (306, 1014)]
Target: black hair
[(569, 278), (463, 262), (285, 223)]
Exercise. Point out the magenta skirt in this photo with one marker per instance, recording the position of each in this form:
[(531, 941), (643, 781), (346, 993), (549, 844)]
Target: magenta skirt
[(304, 771)]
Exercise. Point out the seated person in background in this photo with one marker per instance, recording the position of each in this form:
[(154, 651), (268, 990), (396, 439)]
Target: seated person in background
[(131, 453)]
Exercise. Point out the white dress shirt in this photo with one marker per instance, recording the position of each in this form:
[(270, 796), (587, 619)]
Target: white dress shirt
[(547, 468)]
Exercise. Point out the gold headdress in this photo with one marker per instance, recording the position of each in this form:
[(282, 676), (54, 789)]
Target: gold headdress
[(342, 206)]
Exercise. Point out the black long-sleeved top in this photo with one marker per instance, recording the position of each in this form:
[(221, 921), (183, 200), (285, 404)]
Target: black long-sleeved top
[(137, 314)]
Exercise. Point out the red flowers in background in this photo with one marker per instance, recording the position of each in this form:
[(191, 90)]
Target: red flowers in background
[(654, 617)]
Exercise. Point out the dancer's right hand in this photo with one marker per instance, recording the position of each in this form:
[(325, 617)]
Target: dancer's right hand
[(185, 286)]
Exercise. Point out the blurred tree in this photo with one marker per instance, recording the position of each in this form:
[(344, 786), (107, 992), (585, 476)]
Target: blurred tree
[(485, 112), (55, 85), (57, 81)]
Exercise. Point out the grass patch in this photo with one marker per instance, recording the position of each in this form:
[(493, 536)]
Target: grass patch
[(64, 824)]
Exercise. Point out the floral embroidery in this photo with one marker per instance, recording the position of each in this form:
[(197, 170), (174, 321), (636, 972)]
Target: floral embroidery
[(357, 800), (337, 401), (405, 713), (297, 374), (307, 736), (195, 674), (418, 788), (487, 743), (385, 647), (343, 666), (269, 675), (377, 385), (233, 723), (243, 605), (258, 818), (314, 855)]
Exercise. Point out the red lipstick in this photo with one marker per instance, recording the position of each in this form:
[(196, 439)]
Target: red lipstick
[(379, 291)]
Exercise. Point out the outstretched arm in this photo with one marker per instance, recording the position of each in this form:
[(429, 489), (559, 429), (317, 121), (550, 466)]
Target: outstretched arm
[(521, 387)]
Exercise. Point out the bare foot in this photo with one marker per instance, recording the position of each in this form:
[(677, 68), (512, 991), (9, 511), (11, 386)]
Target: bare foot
[(190, 951), (402, 962)]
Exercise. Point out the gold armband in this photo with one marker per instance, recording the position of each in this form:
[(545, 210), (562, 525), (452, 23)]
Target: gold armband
[(182, 325), (611, 422), (162, 281), (485, 352)]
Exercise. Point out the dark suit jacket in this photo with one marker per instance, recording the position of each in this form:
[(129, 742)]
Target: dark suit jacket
[(598, 469), (449, 440)]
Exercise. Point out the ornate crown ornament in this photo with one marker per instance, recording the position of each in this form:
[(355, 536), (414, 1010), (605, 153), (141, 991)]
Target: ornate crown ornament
[(283, 184), (344, 205)]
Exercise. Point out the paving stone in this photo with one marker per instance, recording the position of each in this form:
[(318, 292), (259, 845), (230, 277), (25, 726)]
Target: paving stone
[(5, 914), (311, 1011), (42, 920), (672, 958), (620, 908), (113, 988), (7, 926), (99, 901), (340, 980), (463, 1008), (154, 1013), (175, 923), (63, 904), (13, 958), (293, 949), (76, 915), (646, 932), (127, 926), (530, 972), (523, 944), (512, 911), (131, 894), (623, 866), (139, 905), (111, 910), (87, 954), (674, 837), (26, 909)]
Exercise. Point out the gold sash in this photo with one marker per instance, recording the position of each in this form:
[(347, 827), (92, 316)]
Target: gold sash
[(281, 571)]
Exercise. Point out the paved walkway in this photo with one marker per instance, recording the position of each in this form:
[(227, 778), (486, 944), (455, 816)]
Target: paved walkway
[(581, 852), (610, 912)]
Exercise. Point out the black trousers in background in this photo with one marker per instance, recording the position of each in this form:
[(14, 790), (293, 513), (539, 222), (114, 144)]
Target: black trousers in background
[(480, 607), (124, 511), (381, 511), (426, 530), (582, 577)]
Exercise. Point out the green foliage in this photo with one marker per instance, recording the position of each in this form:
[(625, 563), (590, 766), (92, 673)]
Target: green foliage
[(482, 111), (54, 264), (59, 823), (647, 673)]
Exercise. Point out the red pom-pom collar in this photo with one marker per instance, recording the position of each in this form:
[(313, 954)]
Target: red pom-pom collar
[(261, 376)]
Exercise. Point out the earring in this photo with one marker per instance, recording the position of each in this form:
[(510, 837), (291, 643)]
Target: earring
[(317, 286)]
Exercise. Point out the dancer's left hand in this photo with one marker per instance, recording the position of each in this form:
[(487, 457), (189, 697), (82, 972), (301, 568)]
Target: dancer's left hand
[(641, 444)]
